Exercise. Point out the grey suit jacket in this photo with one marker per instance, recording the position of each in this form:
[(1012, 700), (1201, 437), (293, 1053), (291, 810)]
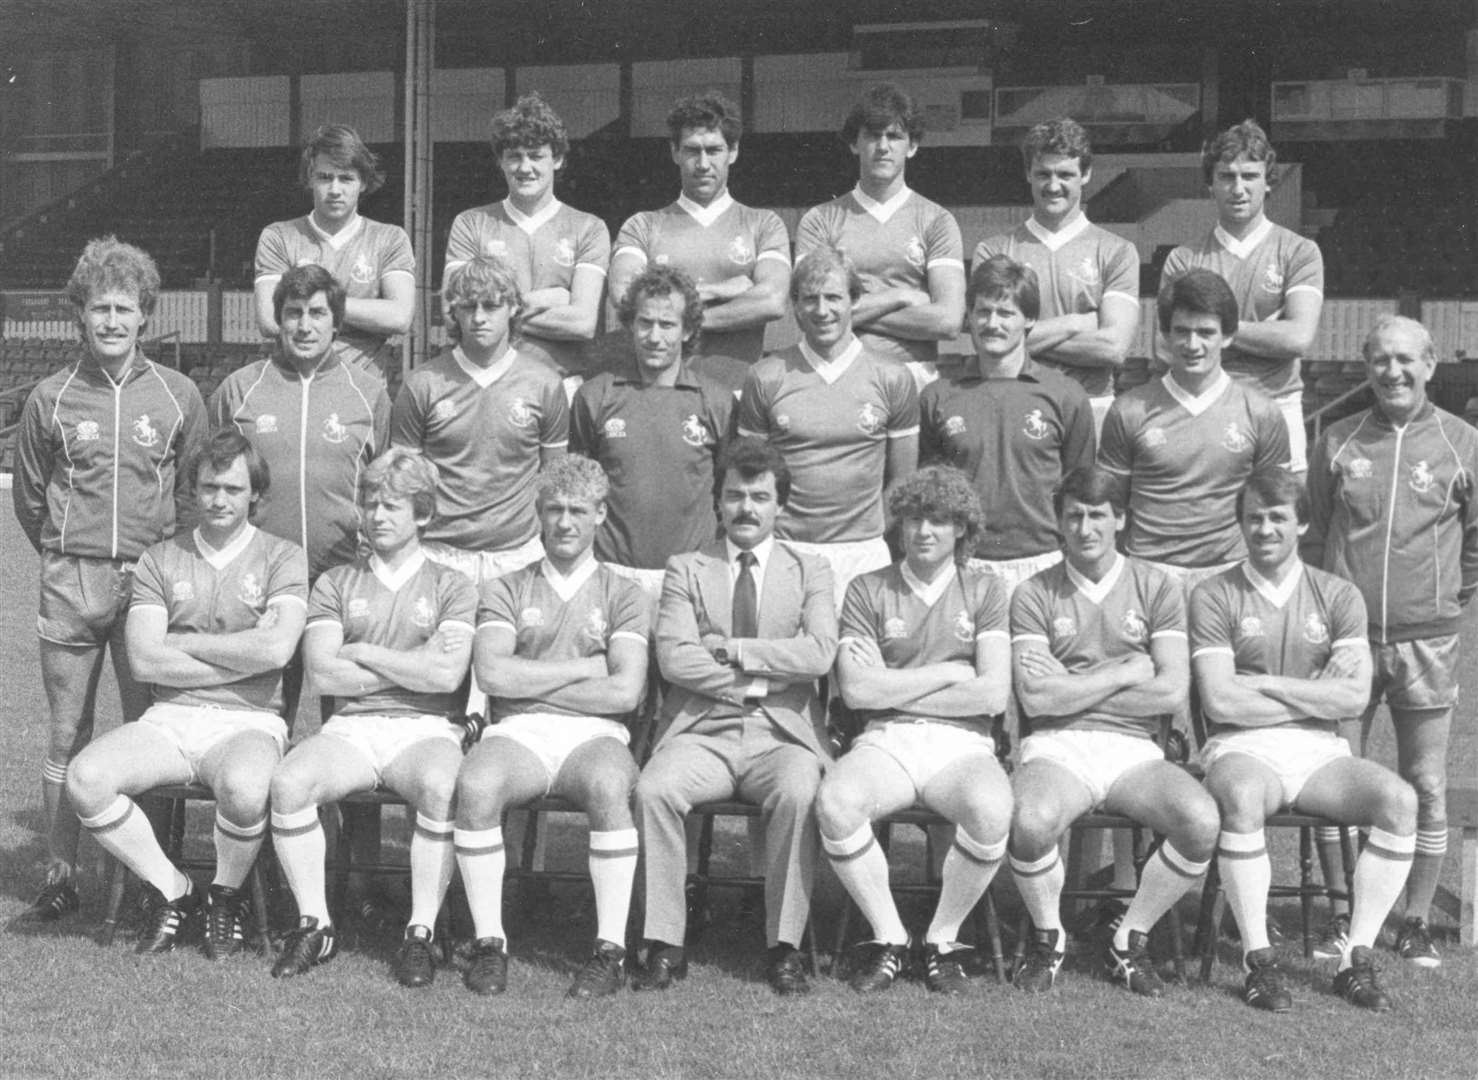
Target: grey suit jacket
[(797, 640)]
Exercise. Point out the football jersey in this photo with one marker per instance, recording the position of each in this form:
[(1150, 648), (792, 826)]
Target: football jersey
[(484, 429), (1084, 623), (398, 610), (914, 625), (1015, 439), (558, 618), (544, 251), (210, 591), (316, 435), (97, 463), (358, 257), (1079, 268), (891, 244), (726, 239), (1290, 629), (1184, 458), (832, 422), (1262, 270), (659, 446)]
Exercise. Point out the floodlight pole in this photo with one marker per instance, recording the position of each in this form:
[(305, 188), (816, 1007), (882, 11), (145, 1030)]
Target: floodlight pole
[(420, 23)]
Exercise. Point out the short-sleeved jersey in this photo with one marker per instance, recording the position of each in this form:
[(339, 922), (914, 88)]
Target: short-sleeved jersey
[(892, 244), (659, 446), (484, 429), (317, 435), (832, 421), (726, 239), (359, 257), (914, 625), (557, 618), (544, 251), (398, 610), (97, 463), (1079, 269), (1262, 271), (1290, 629), (1015, 439), (1184, 458), (209, 591), (1084, 623)]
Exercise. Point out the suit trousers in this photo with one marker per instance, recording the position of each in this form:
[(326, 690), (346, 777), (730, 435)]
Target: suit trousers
[(746, 757)]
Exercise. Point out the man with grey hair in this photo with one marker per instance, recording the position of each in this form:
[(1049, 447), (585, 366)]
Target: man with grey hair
[(1395, 512)]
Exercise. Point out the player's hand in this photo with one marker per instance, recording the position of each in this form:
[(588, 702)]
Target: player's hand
[(1041, 663), (716, 644), (452, 638), (351, 651), (269, 618), (865, 653), (1344, 664), (1139, 667), (718, 292), (537, 301)]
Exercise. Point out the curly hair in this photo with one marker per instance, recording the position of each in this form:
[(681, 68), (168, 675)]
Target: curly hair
[(665, 280), (1064, 137), (709, 111), (573, 476), (108, 264), (303, 283), (485, 277), (403, 473), (343, 147), (879, 108), (940, 493), (529, 124), (1244, 140)]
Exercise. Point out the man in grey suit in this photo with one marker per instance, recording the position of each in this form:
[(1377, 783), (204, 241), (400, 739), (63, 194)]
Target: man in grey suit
[(745, 627)]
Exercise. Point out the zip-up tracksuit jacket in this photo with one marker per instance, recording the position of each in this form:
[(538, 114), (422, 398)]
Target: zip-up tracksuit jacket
[(317, 434), (1394, 510), (98, 464)]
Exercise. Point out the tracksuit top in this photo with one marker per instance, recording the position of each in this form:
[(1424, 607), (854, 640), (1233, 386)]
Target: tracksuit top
[(97, 462), (1395, 512)]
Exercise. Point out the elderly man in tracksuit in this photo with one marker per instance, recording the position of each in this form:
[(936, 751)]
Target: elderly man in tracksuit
[(1395, 512)]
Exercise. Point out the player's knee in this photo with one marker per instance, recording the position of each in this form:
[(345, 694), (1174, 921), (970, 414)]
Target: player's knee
[(90, 784), (1035, 827), (609, 789), (242, 795), (67, 737), (1195, 830), (480, 800), (840, 810), (1430, 785), (1398, 809), (290, 790), (437, 790)]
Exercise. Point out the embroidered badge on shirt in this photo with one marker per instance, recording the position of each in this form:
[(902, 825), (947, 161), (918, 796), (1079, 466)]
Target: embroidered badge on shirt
[(443, 410), (1035, 427), (1064, 627), (1360, 468), (564, 252), (1134, 627), (333, 431), (1086, 273), (694, 433), (741, 251), (964, 626), (615, 428), (1422, 478), (362, 273), (520, 413), (869, 419), (183, 591), (954, 426), (914, 252), (1249, 627), (144, 432), (422, 613), (267, 424), (496, 248), (1272, 281), (359, 608), (1154, 438), (1316, 632), (1234, 440), (894, 628), (530, 618), (88, 431), (782, 423), (595, 626), (251, 590)]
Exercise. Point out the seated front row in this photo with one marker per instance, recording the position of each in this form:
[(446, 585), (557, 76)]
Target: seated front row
[(746, 627)]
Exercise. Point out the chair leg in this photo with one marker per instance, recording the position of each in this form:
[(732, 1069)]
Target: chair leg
[(1306, 887), (259, 905), (993, 933), (343, 855), (117, 878), (1208, 922)]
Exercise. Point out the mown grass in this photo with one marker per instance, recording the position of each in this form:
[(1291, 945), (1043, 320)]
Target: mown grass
[(69, 1008)]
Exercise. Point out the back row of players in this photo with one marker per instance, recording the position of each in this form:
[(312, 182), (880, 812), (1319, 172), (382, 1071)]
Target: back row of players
[(848, 425)]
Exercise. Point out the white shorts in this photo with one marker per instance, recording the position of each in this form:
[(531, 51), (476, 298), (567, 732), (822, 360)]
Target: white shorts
[(924, 748), (847, 559), (552, 738), (483, 566), (196, 729), (1012, 572), (381, 739), (1291, 754), (1096, 758), (1291, 405)]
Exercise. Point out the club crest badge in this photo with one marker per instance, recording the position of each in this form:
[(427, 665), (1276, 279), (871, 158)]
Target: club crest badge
[(894, 628), (1035, 427), (694, 433), (1134, 627), (1234, 440), (183, 591), (964, 626), (498, 249), (914, 252), (1064, 627), (564, 252), (88, 431), (1360, 468), (267, 424), (1086, 273), (1316, 631), (145, 433), (359, 608), (530, 618), (333, 430), (869, 419), (362, 273), (1250, 626), (251, 591), (520, 413), (1422, 478), (422, 613), (614, 428), (1272, 281), (595, 626), (740, 251)]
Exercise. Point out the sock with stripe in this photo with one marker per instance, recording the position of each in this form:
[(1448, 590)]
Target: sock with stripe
[(612, 871), (297, 837), (482, 859), (1246, 875), (968, 870), (1040, 884), (863, 870), (1380, 875), (123, 831), (236, 849), (432, 859), (1165, 879)]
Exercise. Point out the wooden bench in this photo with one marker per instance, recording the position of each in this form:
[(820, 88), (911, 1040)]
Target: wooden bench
[(1462, 814)]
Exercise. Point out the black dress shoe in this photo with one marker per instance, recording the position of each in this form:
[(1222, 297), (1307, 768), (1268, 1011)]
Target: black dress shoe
[(786, 971), (665, 965)]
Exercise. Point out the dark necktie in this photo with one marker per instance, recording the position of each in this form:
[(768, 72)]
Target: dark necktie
[(746, 619)]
